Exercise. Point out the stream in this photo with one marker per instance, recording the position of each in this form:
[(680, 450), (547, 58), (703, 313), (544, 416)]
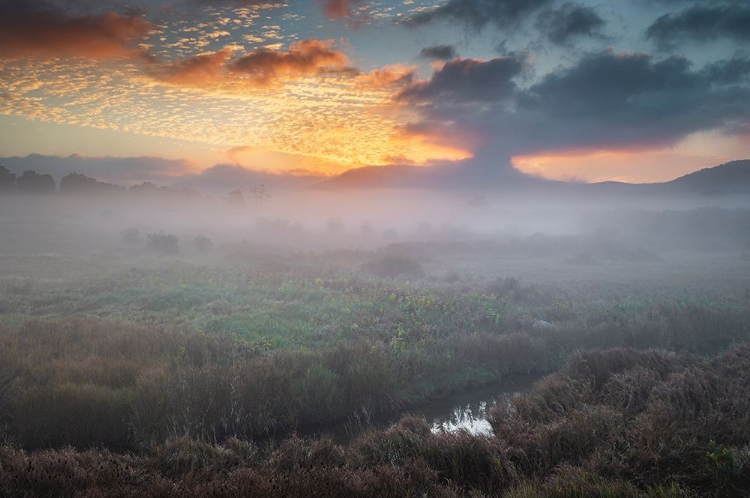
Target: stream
[(463, 410)]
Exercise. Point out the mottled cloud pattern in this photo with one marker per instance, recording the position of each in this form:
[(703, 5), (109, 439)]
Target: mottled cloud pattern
[(479, 13)]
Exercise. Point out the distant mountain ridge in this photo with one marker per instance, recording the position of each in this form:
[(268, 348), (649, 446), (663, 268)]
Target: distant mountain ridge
[(728, 178), (725, 179)]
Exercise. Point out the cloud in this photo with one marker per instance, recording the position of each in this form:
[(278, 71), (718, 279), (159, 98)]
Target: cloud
[(702, 23), (467, 80), (730, 71), (333, 9), (202, 70), (395, 75), (38, 29), (609, 98), (238, 2), (479, 13), (439, 52), (304, 58), (338, 8), (570, 21), (259, 68)]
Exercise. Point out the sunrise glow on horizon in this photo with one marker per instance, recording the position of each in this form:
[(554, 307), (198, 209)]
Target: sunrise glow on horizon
[(572, 91)]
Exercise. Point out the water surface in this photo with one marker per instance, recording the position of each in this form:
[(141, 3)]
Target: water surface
[(464, 410)]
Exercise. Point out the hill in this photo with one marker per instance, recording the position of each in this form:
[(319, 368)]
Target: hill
[(729, 178)]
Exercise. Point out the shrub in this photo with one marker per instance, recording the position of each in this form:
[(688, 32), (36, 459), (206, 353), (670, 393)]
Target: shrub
[(395, 267), (202, 243), (334, 226), (161, 242), (131, 237)]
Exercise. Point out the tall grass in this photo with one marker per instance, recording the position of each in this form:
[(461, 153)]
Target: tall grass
[(617, 423)]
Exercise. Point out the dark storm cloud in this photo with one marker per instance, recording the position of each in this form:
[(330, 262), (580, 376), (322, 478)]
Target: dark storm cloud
[(702, 23), (467, 80), (604, 101), (439, 53), (570, 21), (605, 82), (611, 99), (479, 13), (732, 71)]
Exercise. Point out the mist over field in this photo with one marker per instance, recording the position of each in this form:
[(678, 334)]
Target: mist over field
[(279, 338), (267, 340)]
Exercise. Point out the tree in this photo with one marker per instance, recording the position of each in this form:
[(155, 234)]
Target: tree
[(166, 243), (30, 182), (84, 185), (335, 226), (7, 180), (236, 197), (146, 189), (202, 243), (260, 195)]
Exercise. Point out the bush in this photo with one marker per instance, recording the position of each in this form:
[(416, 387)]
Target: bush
[(131, 237), (202, 243), (161, 242), (395, 267)]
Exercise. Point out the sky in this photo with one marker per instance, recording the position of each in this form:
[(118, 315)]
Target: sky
[(637, 91)]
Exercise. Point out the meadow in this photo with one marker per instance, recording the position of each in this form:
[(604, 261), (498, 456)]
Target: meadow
[(129, 366)]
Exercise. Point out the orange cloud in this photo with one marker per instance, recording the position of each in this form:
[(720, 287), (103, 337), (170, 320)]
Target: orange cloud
[(260, 68), (27, 32), (388, 76), (338, 8), (201, 70), (304, 58)]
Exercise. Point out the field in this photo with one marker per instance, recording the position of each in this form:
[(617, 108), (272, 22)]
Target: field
[(132, 363)]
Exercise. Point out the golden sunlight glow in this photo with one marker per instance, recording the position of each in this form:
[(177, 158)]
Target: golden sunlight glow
[(333, 119), (630, 166)]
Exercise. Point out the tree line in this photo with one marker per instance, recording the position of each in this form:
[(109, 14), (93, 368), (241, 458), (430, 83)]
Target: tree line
[(31, 182)]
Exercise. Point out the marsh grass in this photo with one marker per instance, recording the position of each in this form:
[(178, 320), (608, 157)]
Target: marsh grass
[(576, 433)]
